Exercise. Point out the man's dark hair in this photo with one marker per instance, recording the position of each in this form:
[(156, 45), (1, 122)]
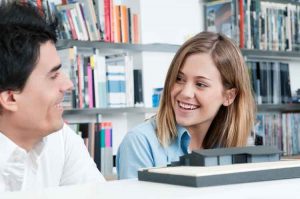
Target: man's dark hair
[(22, 31)]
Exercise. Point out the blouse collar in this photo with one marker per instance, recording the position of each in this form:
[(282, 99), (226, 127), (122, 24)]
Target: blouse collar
[(184, 138)]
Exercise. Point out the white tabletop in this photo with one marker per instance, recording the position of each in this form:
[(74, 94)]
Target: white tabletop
[(277, 189)]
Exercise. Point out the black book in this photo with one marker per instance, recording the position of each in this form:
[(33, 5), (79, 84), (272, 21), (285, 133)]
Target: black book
[(97, 148), (138, 86)]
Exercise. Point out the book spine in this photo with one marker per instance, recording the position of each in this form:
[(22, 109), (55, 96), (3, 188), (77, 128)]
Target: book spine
[(241, 11), (124, 23), (80, 81), (107, 21), (136, 34), (72, 26), (90, 86)]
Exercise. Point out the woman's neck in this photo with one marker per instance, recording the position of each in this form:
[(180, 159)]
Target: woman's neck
[(197, 137)]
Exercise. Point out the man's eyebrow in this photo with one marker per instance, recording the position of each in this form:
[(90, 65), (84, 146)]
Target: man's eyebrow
[(55, 68)]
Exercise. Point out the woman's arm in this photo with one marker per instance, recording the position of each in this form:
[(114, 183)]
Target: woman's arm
[(134, 153)]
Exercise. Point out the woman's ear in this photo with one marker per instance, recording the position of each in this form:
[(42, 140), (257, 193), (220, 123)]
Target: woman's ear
[(230, 95), (7, 100)]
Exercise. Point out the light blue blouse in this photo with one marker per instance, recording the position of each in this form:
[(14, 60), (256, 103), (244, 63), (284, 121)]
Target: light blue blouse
[(141, 149)]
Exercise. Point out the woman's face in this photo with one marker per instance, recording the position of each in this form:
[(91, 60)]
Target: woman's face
[(198, 92)]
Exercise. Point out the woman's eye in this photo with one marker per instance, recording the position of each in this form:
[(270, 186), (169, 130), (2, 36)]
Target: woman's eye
[(179, 79), (199, 84)]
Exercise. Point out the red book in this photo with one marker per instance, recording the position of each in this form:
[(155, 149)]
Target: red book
[(241, 10), (74, 35), (107, 21), (136, 36)]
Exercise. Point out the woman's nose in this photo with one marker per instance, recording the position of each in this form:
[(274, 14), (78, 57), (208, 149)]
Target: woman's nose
[(187, 90)]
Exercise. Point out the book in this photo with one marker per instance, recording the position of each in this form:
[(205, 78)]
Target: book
[(116, 81), (219, 17), (89, 14), (100, 81), (117, 23), (124, 24), (78, 19), (197, 176), (135, 29), (99, 11), (270, 82), (138, 87)]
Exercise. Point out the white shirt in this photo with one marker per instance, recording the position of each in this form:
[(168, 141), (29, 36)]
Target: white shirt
[(59, 159)]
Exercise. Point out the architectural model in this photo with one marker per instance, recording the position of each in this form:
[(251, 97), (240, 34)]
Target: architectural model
[(224, 156), (224, 166)]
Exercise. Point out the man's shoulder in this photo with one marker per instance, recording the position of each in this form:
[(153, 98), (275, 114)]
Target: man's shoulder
[(64, 133), (63, 140)]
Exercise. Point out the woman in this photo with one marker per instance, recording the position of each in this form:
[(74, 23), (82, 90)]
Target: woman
[(207, 102)]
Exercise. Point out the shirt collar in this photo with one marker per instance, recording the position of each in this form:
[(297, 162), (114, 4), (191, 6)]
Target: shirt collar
[(9, 148), (184, 138), (38, 149), (13, 161)]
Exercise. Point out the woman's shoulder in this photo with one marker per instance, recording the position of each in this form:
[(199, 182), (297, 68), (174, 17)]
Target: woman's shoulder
[(144, 132), (147, 128)]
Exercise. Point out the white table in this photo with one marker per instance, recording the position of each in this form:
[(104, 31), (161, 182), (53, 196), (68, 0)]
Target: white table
[(278, 189)]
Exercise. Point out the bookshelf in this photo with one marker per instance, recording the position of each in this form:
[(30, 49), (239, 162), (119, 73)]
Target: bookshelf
[(142, 110), (113, 48), (267, 32), (279, 108), (116, 48), (110, 111), (160, 38), (255, 54), (149, 54)]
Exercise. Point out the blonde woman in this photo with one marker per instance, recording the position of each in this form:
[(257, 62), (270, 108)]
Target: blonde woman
[(207, 102)]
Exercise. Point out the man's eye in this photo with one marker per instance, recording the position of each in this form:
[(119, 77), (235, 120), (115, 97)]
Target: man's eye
[(54, 76)]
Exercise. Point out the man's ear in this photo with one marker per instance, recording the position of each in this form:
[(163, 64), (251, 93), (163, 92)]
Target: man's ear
[(230, 95), (7, 100)]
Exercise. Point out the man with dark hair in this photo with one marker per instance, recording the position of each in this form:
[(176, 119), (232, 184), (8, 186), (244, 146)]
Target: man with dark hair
[(37, 149)]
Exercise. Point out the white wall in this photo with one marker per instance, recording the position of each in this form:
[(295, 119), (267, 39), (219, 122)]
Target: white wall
[(165, 21), (169, 21), (119, 124), (155, 67), (294, 76)]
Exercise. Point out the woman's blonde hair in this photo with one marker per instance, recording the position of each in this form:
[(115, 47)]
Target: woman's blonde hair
[(232, 124)]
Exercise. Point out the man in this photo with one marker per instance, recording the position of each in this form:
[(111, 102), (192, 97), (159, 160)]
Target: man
[(37, 149)]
